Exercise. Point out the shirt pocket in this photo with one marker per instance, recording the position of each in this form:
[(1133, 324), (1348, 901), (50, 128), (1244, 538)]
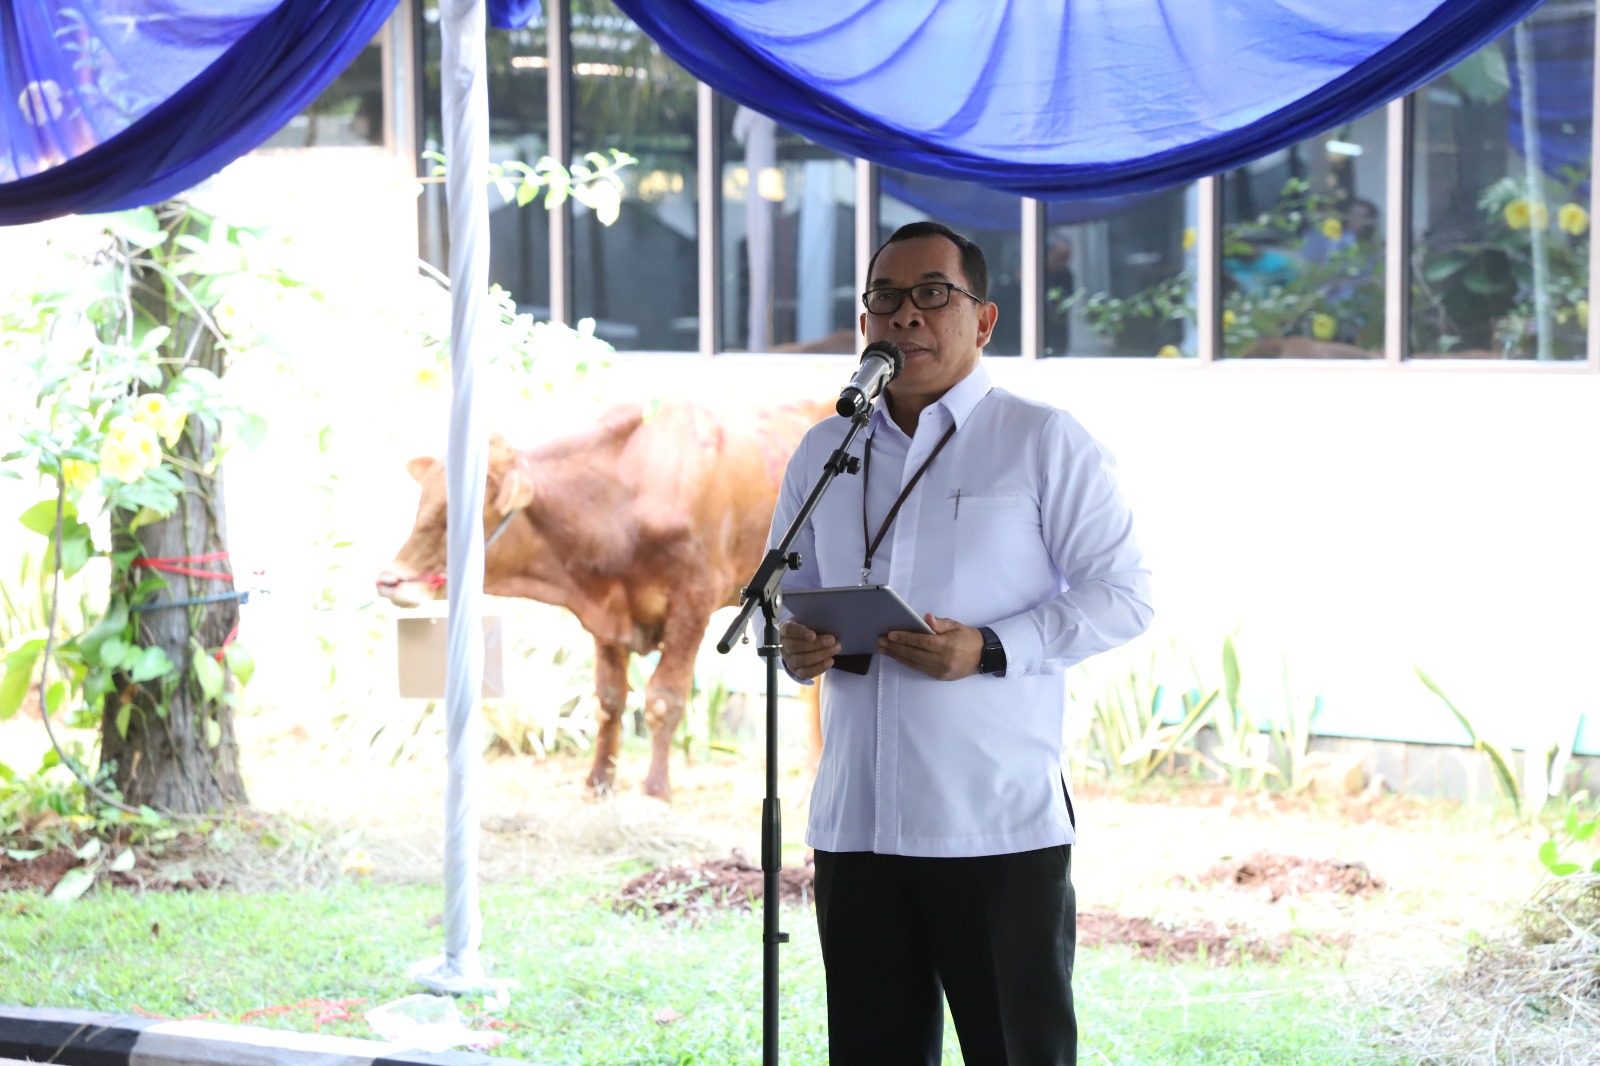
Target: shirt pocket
[(997, 539)]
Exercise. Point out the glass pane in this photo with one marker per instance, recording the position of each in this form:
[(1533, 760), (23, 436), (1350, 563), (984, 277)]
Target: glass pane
[(1500, 194), (1303, 260), (637, 278), (991, 220), (519, 256), (1118, 275), (348, 113), (788, 232)]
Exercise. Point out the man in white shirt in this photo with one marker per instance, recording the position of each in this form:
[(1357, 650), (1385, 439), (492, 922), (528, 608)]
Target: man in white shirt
[(940, 814)]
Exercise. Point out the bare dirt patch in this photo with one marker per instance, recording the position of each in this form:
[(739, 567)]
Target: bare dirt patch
[(690, 891), (240, 854), (1210, 942), (1275, 876)]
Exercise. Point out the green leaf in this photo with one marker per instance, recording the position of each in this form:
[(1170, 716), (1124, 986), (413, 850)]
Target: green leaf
[(252, 429), (111, 624), (114, 652), (1444, 266), (208, 672), (1548, 853), (213, 733), (1472, 734), (151, 664), (19, 677), (123, 862), (1565, 869), (1230, 672), (74, 883), (139, 227), (91, 849), (1483, 77), (41, 517), (124, 714), (76, 550), (1586, 830), (240, 662)]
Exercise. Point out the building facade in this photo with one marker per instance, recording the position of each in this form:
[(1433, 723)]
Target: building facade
[(1352, 385)]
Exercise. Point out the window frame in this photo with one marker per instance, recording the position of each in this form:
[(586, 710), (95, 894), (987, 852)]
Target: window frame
[(1400, 119)]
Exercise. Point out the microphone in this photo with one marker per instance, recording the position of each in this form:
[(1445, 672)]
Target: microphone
[(881, 363)]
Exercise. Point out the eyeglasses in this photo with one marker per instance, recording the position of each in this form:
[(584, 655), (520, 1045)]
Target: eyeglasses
[(925, 297)]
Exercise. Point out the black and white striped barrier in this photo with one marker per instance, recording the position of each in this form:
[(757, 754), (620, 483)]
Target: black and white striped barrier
[(87, 1038)]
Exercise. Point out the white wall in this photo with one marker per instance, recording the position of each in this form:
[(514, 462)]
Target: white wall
[(1359, 521)]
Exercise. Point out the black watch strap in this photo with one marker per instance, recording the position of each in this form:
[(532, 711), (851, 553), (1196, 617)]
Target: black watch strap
[(993, 658)]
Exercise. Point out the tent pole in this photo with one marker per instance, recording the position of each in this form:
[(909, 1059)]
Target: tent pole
[(465, 103)]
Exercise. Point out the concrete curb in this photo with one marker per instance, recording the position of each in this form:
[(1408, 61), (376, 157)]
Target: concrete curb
[(88, 1038)]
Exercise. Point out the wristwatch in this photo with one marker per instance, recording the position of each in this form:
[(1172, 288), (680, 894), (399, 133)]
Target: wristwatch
[(993, 659)]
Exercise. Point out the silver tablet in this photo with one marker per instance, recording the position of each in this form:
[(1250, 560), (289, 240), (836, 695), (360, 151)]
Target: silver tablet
[(856, 614)]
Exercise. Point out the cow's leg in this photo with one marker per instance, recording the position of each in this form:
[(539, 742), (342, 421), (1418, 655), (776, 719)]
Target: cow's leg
[(611, 686), (668, 693)]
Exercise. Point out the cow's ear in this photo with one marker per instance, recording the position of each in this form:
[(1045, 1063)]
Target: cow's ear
[(421, 466), (516, 491)]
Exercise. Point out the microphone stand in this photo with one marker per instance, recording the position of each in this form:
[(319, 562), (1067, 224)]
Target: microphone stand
[(763, 592)]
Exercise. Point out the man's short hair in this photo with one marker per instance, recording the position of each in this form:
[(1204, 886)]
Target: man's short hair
[(973, 264)]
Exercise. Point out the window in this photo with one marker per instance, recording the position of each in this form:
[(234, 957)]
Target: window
[(519, 237), (348, 113), (637, 278), (1119, 276), (788, 257), (991, 220), (1302, 247), (1500, 193)]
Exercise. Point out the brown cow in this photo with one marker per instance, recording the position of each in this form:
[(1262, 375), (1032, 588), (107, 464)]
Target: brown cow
[(641, 525)]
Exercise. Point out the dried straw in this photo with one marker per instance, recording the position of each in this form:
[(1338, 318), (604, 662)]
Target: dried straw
[(1531, 997)]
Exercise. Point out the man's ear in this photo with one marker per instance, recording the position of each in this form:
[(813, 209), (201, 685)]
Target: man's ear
[(988, 315), (863, 325), (419, 467)]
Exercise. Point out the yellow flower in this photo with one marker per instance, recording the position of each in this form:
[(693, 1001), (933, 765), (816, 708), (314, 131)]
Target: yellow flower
[(1332, 229), (1573, 219), (1323, 327), (1189, 237), (227, 317), (1228, 318), (356, 863), (1518, 214), (77, 473), (153, 410), (1169, 351), (130, 448)]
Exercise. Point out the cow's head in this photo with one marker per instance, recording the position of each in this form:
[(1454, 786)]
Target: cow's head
[(418, 571)]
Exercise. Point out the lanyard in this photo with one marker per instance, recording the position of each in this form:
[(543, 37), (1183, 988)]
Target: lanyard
[(866, 468)]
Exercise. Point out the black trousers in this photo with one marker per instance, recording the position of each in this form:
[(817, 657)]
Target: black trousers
[(994, 934)]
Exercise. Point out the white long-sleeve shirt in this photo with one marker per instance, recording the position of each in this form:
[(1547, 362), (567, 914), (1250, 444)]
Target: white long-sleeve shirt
[(1018, 524)]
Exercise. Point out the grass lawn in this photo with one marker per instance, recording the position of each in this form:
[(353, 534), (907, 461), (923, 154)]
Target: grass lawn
[(594, 982)]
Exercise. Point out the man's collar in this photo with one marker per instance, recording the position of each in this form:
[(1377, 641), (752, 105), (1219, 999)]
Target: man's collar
[(960, 399)]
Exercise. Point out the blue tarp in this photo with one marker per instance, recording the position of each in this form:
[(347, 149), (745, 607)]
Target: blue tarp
[(106, 104), (1062, 99)]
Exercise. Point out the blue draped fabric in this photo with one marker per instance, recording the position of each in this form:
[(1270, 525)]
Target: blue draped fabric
[(1060, 99), (1563, 98), (512, 14), (107, 104)]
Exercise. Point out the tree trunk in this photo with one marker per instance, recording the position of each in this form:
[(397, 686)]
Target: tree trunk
[(179, 753)]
